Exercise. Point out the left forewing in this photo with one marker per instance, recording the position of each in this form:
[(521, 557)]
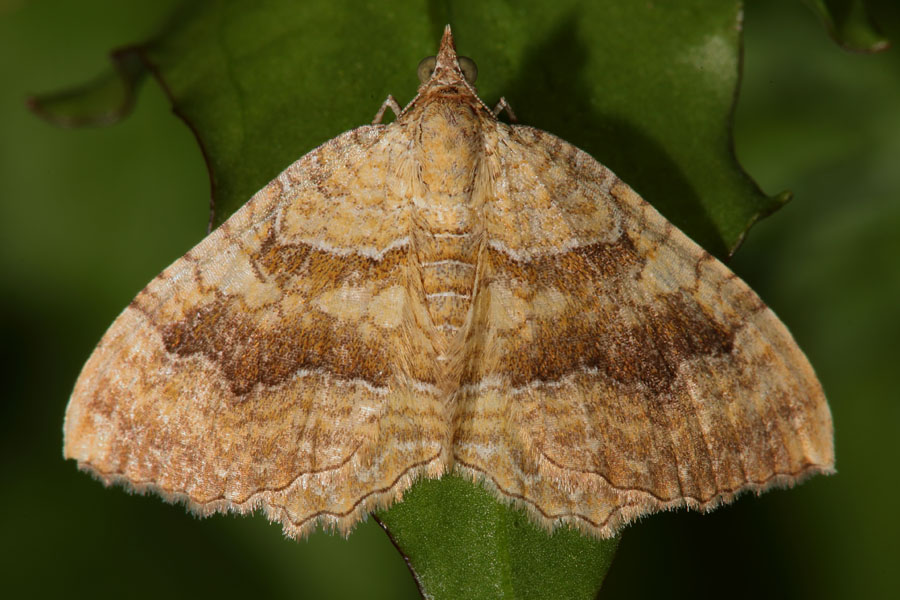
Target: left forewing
[(270, 366)]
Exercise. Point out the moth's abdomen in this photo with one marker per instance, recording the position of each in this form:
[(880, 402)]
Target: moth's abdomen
[(447, 268)]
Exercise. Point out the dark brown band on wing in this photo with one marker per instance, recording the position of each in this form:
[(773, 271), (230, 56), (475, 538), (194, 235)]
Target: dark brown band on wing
[(645, 349), (252, 348)]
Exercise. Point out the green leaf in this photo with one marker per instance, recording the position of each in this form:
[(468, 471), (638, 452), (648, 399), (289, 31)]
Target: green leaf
[(461, 543), (646, 88), (848, 23)]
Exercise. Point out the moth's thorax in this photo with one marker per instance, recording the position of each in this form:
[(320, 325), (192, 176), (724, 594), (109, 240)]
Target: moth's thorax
[(447, 227), (450, 146)]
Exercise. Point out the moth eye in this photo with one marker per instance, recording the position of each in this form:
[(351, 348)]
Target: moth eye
[(466, 64), (469, 69), (426, 68)]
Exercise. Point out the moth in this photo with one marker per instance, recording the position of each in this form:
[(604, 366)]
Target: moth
[(443, 293)]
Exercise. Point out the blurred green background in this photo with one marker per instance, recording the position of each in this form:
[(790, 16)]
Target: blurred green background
[(87, 217)]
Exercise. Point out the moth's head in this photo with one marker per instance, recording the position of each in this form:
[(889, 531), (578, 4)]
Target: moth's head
[(447, 85), (447, 74)]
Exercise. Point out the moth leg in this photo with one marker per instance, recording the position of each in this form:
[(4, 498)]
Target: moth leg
[(389, 103), (504, 105)]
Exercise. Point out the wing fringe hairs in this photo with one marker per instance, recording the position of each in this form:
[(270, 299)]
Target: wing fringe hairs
[(635, 503)]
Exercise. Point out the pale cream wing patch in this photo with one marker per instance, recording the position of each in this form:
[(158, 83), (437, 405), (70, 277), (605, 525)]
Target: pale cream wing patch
[(278, 364), (615, 368)]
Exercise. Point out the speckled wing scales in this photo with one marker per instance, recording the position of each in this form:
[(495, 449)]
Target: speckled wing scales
[(617, 368), (269, 366)]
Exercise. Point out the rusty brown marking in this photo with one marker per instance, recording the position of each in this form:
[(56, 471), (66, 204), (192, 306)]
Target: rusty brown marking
[(665, 334), (249, 354), (293, 259), (568, 270)]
